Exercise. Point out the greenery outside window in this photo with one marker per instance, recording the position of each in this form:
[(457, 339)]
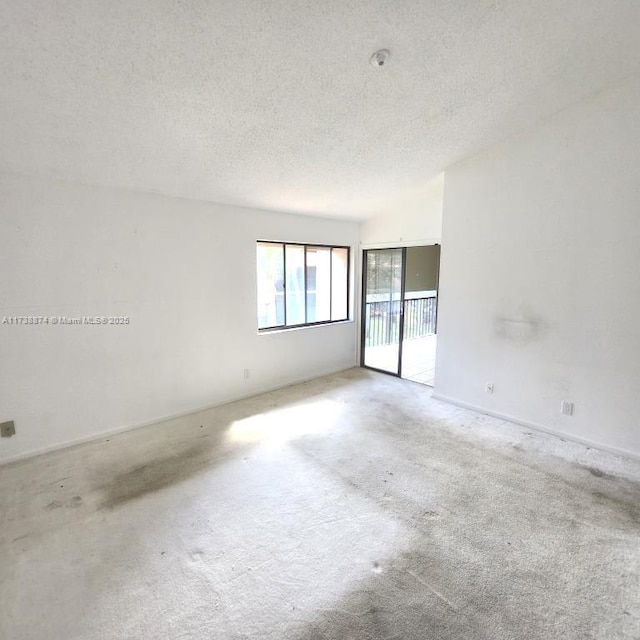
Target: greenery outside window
[(301, 284)]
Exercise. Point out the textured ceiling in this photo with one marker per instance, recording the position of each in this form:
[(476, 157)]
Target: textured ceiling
[(273, 103)]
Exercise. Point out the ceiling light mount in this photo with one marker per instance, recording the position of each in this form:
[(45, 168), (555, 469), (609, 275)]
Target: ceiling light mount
[(380, 58)]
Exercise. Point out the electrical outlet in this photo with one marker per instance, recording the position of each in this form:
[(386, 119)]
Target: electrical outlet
[(489, 387), (566, 408), (247, 374), (7, 429)]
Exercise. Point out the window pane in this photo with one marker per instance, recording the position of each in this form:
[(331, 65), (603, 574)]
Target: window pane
[(339, 279), (291, 295), (295, 284), (382, 311), (270, 262), (318, 284)]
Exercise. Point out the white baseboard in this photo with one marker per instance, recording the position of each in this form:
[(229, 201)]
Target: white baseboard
[(538, 427), (112, 432)]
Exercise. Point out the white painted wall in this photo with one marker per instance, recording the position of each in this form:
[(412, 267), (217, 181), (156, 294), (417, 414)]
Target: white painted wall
[(540, 274), (183, 271), (414, 219)]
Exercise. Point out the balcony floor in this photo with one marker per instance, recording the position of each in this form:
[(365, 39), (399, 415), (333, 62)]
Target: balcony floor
[(418, 359)]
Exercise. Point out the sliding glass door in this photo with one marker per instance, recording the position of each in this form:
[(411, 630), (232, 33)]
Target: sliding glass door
[(382, 309), (399, 311)]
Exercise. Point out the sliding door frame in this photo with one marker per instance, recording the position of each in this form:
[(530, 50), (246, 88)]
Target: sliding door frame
[(363, 310)]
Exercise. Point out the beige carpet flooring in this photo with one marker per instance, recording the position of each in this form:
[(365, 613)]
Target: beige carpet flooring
[(350, 507)]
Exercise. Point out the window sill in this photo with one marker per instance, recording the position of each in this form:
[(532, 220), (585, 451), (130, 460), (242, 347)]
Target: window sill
[(321, 325)]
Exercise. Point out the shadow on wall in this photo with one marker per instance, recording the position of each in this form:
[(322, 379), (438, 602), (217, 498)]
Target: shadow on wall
[(518, 325)]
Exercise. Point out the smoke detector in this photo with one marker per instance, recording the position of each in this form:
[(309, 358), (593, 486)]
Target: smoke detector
[(380, 58)]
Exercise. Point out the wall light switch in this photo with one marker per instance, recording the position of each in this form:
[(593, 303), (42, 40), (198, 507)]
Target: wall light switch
[(7, 429), (566, 408)]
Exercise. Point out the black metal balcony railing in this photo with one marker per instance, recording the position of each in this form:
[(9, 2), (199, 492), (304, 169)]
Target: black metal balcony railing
[(382, 320)]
